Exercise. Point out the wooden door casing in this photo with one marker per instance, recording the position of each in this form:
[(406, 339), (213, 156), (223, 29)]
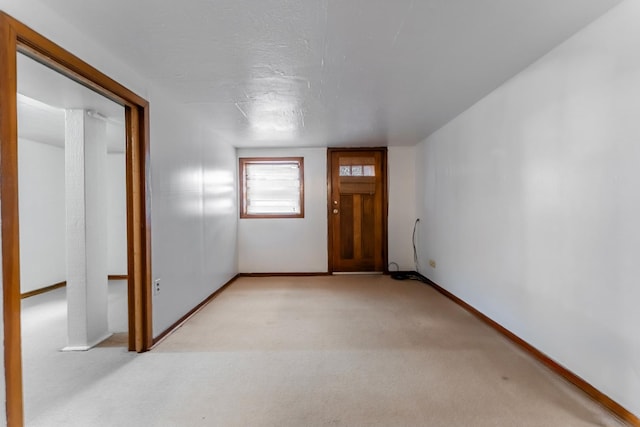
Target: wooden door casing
[(357, 210)]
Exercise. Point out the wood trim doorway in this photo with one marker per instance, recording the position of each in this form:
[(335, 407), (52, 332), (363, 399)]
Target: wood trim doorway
[(16, 37), (357, 209)]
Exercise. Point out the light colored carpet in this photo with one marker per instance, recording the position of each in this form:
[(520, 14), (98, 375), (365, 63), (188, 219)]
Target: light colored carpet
[(328, 351), (51, 376)]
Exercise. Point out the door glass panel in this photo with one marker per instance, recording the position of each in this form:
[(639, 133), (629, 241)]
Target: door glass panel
[(358, 176), (345, 170), (356, 170)]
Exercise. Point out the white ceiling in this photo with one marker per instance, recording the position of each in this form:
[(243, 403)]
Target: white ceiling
[(43, 96), (329, 72)]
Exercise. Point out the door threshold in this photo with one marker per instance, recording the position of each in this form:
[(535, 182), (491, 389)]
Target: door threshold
[(362, 273)]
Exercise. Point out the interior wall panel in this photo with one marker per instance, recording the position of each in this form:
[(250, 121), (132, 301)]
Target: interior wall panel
[(529, 205)]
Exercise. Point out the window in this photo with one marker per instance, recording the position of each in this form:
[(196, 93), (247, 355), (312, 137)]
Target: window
[(272, 187)]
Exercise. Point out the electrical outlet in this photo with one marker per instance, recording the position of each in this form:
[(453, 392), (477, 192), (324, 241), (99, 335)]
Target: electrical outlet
[(432, 263), (156, 286)]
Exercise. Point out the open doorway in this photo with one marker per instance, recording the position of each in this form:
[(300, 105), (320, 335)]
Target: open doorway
[(73, 231), (19, 38)]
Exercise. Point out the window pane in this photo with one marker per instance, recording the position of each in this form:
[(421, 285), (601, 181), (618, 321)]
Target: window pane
[(345, 170), (272, 187)]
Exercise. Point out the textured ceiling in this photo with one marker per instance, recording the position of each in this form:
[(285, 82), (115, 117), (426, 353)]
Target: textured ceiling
[(329, 72)]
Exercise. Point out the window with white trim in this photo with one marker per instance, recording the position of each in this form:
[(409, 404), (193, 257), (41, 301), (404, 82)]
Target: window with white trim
[(271, 187)]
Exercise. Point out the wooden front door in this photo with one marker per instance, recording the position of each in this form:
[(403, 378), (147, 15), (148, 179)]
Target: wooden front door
[(357, 209)]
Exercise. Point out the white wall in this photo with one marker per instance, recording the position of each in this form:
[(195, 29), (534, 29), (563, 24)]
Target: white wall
[(402, 205), (194, 212), (116, 214), (289, 245), (302, 243), (180, 145), (529, 203), (42, 215)]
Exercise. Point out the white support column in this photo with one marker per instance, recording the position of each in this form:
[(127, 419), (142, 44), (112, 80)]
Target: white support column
[(86, 197)]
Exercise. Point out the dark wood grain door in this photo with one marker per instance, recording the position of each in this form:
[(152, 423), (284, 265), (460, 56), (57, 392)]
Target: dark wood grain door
[(357, 210)]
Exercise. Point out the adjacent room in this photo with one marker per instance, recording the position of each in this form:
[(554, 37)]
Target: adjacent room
[(73, 278), (286, 213)]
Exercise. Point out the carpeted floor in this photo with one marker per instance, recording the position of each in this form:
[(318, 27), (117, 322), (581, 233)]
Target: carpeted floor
[(327, 351), (51, 376)]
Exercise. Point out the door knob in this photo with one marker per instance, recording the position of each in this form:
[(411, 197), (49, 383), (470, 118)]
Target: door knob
[(335, 211)]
